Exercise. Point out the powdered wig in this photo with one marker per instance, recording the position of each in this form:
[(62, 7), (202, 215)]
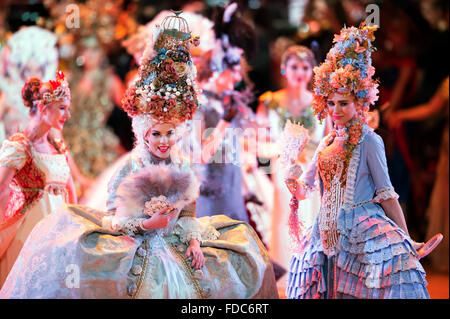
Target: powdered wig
[(32, 44)]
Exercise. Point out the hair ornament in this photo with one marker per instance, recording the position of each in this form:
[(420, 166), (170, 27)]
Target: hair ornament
[(60, 89)]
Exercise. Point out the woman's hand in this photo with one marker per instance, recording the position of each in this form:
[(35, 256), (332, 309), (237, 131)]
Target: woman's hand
[(198, 260), (159, 219), (417, 245)]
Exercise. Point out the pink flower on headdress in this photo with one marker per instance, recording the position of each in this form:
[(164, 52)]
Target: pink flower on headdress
[(168, 70)]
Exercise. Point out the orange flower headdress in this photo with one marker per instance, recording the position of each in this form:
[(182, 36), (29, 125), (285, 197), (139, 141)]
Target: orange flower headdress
[(347, 70)]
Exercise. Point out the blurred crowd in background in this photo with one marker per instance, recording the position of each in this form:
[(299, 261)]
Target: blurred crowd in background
[(411, 63)]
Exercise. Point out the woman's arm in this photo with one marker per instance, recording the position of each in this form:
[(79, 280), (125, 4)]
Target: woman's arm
[(71, 191), (421, 111), (394, 211)]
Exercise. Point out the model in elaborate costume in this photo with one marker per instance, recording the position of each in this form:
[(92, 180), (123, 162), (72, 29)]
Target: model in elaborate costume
[(94, 146), (359, 246), (34, 165), (291, 103), (141, 248), (30, 52), (95, 86), (97, 194), (223, 111)]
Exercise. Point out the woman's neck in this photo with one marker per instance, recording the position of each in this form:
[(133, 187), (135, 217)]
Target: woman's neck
[(296, 92), (296, 98), (155, 159), (36, 131)]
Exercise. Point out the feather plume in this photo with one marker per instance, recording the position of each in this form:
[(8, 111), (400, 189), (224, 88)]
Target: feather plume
[(178, 186)]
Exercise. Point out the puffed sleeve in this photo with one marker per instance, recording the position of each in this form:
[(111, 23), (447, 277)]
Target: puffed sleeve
[(376, 161), (13, 154)]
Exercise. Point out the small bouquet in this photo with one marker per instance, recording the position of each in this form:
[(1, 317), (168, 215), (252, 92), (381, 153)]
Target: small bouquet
[(152, 189), (156, 204), (293, 140)]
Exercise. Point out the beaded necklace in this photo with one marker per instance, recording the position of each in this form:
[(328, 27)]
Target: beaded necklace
[(351, 132)]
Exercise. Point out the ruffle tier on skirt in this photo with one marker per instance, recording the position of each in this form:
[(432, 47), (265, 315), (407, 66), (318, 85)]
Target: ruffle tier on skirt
[(375, 259)]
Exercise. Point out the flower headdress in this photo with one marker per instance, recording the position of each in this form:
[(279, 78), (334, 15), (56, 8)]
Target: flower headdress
[(60, 89), (347, 69), (165, 89)]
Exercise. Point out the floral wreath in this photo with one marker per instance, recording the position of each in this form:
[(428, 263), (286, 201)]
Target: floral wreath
[(347, 70), (165, 88)]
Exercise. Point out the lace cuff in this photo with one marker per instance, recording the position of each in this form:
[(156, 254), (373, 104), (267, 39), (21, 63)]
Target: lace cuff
[(385, 193), (188, 228), (127, 226)]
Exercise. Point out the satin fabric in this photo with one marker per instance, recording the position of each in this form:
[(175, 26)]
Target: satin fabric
[(69, 255)]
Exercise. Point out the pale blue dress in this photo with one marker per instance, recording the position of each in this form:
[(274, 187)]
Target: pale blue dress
[(372, 257), (221, 189), (72, 253)]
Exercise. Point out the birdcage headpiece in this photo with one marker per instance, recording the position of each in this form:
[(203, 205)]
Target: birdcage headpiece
[(165, 88)]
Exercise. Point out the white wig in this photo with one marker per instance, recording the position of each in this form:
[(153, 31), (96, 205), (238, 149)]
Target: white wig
[(32, 44)]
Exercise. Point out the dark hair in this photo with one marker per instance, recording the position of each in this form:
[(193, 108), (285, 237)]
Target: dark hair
[(239, 30)]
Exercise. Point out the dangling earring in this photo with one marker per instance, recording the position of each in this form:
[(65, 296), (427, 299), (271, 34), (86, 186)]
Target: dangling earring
[(283, 72)]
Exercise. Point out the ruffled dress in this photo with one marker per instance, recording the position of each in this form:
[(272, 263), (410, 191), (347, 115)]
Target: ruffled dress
[(72, 253), (354, 250), (308, 209), (37, 188)]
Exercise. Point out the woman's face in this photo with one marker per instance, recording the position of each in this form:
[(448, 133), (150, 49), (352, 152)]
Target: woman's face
[(342, 108), (92, 58), (55, 114), (160, 139), (297, 72)]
